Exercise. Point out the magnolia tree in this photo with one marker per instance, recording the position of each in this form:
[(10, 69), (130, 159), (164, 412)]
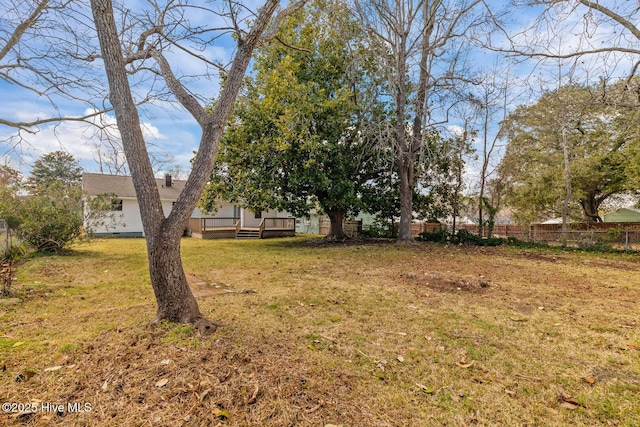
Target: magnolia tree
[(300, 136)]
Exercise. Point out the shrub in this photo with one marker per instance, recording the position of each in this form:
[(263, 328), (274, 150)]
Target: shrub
[(439, 236), (51, 219), (467, 238)]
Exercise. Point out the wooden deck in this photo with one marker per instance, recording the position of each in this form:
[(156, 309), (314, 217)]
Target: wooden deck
[(229, 228)]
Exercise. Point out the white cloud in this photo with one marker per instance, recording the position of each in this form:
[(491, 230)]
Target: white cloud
[(455, 130), (80, 139)]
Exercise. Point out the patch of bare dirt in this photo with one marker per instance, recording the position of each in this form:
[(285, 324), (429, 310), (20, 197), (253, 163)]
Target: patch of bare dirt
[(202, 289), (618, 265), (545, 257), (607, 373), (446, 283), (321, 243)]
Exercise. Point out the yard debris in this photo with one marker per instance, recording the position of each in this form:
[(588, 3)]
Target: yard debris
[(26, 375), (567, 400), (381, 363), (163, 382), (315, 408), (333, 340), (425, 389), (221, 413), (466, 365), (568, 405), (527, 377), (254, 395)]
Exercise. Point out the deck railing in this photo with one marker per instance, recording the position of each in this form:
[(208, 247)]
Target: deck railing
[(211, 224), (279, 223), (201, 225)]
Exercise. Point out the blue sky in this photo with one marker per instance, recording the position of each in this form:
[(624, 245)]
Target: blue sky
[(169, 129)]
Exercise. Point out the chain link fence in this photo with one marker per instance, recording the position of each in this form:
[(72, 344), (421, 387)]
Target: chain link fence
[(614, 238), (7, 238)]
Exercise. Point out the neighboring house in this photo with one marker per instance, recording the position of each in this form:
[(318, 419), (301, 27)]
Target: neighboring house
[(622, 215), (229, 221), (553, 221)]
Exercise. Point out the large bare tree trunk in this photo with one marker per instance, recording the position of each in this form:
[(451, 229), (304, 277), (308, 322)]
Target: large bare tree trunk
[(405, 156), (336, 232), (590, 205), (406, 202), (174, 298), (173, 295), (567, 179)]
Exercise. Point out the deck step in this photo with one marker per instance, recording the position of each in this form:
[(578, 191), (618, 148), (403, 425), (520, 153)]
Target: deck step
[(248, 233)]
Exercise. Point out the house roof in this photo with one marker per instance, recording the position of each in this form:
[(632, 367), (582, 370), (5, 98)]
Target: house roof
[(634, 210), (122, 186)]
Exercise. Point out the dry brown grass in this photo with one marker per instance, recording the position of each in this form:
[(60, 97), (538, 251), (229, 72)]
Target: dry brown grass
[(355, 335)]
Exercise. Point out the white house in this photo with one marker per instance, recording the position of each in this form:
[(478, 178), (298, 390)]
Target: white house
[(229, 221)]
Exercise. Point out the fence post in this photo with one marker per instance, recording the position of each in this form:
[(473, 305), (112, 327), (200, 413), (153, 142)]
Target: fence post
[(5, 227), (626, 240)]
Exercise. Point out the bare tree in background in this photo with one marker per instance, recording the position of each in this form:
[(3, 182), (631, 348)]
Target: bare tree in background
[(41, 44), (144, 50), (490, 100), (421, 44), (48, 53), (600, 39), (588, 39)]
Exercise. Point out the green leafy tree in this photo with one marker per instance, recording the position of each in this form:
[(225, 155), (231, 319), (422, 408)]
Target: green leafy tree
[(9, 177), (566, 151), (47, 210), (298, 137), (10, 182), (56, 167), (439, 177), (51, 219), (439, 183)]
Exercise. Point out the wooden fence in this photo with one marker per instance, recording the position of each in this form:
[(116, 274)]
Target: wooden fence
[(352, 228)]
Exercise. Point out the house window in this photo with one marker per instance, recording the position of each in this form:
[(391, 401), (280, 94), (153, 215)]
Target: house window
[(258, 215), (116, 205)]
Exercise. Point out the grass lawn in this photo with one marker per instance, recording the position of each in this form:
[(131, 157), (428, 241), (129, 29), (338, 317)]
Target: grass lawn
[(357, 334)]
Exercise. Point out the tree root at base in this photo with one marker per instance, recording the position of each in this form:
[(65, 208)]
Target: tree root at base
[(204, 326)]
